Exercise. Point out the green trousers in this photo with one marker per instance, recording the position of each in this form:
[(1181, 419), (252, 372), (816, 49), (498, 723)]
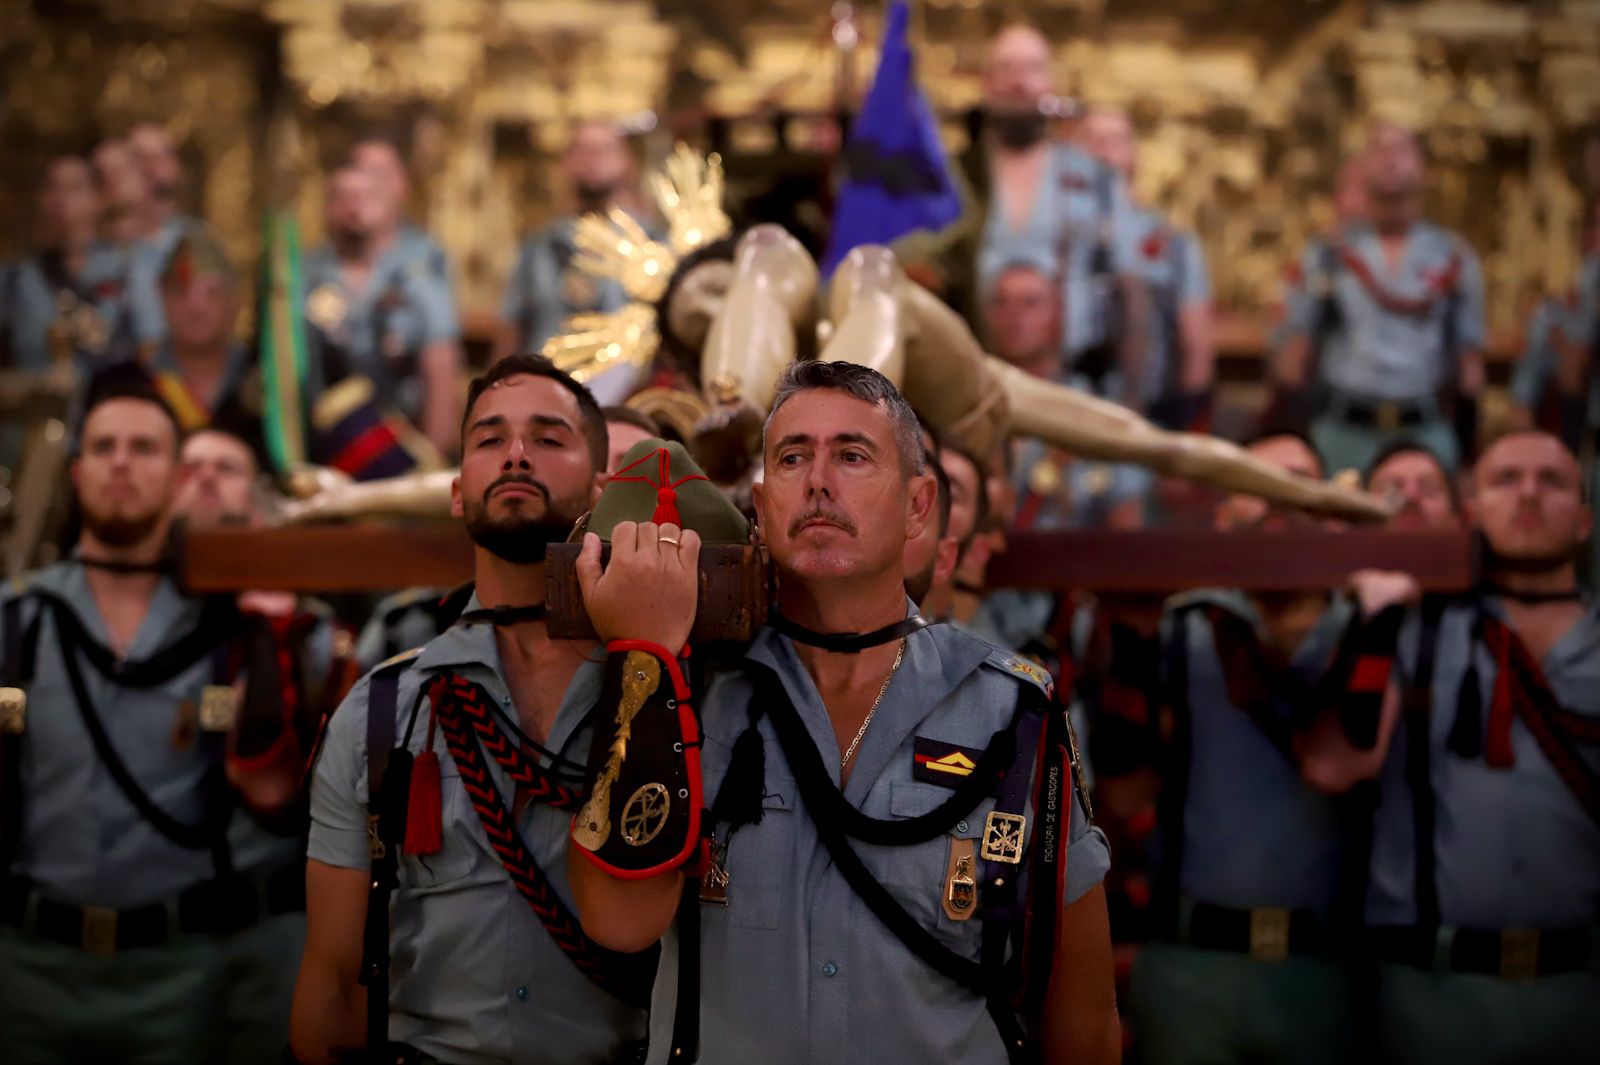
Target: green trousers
[(157, 1006), (260, 966), (1344, 446), (1208, 1007), (1466, 1019)]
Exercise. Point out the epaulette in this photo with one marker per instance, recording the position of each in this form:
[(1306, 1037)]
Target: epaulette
[(1026, 668), (398, 661)]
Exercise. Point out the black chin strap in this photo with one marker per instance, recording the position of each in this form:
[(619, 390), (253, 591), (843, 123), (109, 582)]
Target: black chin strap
[(847, 643), (501, 616), (160, 566), (1567, 595)]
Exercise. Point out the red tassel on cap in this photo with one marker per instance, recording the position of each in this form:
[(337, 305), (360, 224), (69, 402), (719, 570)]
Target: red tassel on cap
[(424, 804)]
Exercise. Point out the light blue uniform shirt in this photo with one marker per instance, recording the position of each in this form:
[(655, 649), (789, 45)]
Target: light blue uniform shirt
[(1376, 353), (398, 623), (1513, 847), (1578, 319), (406, 305), (1172, 264), (149, 257), (29, 307), (1254, 833), (1081, 203), (796, 969), (545, 288), (475, 977), (82, 842)]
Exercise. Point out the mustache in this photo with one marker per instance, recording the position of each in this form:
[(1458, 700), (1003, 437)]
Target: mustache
[(827, 514), (517, 478)]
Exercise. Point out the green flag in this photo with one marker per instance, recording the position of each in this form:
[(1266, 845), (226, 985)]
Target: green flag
[(283, 343)]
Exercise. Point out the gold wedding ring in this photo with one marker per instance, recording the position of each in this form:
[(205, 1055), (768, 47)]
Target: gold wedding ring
[(666, 540)]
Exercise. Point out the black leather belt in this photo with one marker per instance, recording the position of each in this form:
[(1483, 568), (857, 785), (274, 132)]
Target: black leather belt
[(1385, 414), (1513, 953), (213, 907), (1266, 933)]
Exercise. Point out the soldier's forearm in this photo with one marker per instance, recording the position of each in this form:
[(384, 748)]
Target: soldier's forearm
[(1196, 339), (1080, 1025), (440, 365)]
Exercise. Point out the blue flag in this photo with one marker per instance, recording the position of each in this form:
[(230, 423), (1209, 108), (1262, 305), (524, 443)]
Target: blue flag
[(897, 177)]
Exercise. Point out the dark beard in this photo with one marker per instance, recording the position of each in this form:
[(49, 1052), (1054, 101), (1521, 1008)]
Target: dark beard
[(121, 532), (1018, 129), (522, 541), (593, 196)]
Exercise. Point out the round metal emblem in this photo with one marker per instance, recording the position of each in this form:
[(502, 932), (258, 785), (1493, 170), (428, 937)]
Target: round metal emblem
[(645, 815), (326, 307)]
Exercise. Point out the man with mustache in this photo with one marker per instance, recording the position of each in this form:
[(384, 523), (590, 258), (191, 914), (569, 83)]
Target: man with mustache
[(873, 820), (1050, 201), (1485, 869), (479, 958), (1412, 476), (1246, 900), (149, 756)]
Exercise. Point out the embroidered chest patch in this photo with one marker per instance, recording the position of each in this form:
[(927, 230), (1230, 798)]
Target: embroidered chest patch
[(946, 764)]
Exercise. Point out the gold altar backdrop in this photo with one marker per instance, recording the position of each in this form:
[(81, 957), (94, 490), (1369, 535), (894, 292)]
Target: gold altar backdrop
[(1245, 106)]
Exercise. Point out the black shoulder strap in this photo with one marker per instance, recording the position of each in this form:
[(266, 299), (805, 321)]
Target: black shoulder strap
[(383, 844), (1417, 706), (16, 671), (1173, 766)]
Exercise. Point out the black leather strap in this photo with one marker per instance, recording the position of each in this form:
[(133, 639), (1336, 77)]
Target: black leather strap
[(384, 841), (1418, 708), (500, 616), (847, 643)]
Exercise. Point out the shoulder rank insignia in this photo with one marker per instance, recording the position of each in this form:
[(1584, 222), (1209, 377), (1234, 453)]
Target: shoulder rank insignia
[(13, 711), (945, 764), (403, 656), (1025, 668)]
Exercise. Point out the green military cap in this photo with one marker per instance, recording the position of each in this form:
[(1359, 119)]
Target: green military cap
[(196, 254), (659, 482)]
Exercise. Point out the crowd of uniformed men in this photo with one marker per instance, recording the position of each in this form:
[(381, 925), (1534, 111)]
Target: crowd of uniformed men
[(1354, 825)]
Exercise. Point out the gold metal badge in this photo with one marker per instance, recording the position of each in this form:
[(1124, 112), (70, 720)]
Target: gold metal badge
[(960, 887), (327, 306), (89, 330), (219, 708), (641, 676), (1002, 837), (645, 814), (13, 711)]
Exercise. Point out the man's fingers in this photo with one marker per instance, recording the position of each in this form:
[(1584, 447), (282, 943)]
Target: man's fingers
[(647, 538), (689, 549), (668, 532), (624, 538), (588, 565)]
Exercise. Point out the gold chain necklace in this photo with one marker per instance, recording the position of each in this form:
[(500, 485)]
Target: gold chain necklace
[(862, 731)]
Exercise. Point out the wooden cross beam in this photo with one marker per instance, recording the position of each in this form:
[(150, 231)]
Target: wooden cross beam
[(381, 557)]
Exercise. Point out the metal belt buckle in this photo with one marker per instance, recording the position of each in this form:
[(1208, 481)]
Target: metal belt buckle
[(13, 711), (99, 930), (1269, 933), (1519, 953), (1386, 416), (219, 708)]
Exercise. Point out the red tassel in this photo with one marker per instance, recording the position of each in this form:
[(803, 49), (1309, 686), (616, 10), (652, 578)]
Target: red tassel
[(666, 512), (1497, 747), (424, 807)]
